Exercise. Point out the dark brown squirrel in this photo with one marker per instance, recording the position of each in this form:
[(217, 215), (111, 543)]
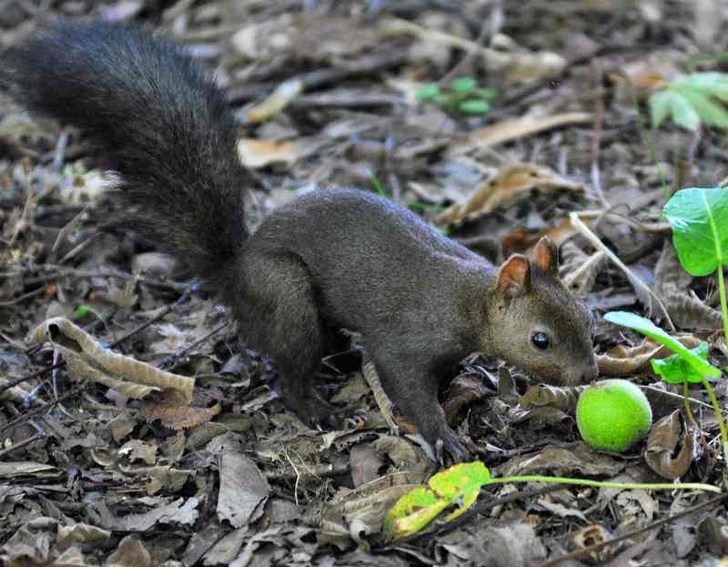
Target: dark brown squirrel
[(331, 260)]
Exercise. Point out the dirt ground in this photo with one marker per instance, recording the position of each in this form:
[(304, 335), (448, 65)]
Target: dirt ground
[(494, 120)]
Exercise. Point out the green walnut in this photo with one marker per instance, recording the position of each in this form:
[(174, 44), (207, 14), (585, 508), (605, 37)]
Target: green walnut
[(612, 415)]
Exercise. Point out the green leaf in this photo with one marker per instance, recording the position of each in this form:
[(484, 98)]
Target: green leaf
[(462, 482), (676, 370), (709, 111), (699, 228), (711, 84), (82, 310), (457, 486), (682, 112), (660, 107), (427, 92), (474, 106), (486, 94), (649, 329), (412, 512), (464, 84)]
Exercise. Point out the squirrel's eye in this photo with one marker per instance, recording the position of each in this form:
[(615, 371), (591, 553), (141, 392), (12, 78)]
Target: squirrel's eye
[(540, 340)]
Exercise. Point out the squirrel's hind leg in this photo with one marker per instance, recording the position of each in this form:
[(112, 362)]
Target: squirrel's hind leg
[(279, 316)]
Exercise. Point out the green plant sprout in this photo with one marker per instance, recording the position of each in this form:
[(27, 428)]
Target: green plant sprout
[(458, 487), (463, 96), (690, 100), (671, 371)]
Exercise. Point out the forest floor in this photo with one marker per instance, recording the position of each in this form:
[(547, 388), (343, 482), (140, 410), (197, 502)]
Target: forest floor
[(493, 120)]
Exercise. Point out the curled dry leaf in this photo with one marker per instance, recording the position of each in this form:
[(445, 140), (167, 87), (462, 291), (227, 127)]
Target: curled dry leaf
[(623, 360), (662, 454), (463, 390), (88, 359), (508, 185), (360, 512), (178, 416)]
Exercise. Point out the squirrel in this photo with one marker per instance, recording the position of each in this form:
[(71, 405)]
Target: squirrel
[(332, 260)]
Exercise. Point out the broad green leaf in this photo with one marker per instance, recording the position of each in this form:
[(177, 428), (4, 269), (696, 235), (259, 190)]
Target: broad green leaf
[(462, 482), (649, 329), (699, 228), (464, 84), (457, 486), (682, 112), (660, 106), (474, 106), (676, 370), (428, 92), (712, 84), (709, 111)]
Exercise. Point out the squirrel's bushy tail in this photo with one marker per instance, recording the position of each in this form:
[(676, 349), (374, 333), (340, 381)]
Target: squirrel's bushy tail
[(165, 128)]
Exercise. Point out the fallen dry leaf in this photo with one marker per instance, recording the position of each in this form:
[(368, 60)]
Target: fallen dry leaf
[(542, 395), (465, 389), (623, 360), (254, 153), (662, 454), (243, 490), (577, 457), (521, 239), (88, 359), (508, 185), (178, 416), (513, 129), (359, 513), (276, 102)]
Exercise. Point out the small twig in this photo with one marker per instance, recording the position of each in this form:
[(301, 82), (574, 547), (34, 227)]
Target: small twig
[(596, 140), (22, 298), (487, 31), (39, 410), (315, 471), (20, 444)]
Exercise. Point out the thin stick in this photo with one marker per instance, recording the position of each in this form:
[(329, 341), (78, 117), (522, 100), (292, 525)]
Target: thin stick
[(599, 245)]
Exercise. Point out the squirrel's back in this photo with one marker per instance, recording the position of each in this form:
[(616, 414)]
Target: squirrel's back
[(163, 125)]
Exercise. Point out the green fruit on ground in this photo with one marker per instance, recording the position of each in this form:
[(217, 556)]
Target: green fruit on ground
[(613, 415)]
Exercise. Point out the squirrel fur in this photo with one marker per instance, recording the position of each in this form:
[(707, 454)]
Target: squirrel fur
[(330, 260)]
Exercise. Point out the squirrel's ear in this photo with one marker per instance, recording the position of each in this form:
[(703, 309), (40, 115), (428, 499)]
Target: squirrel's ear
[(546, 256), (514, 276)]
